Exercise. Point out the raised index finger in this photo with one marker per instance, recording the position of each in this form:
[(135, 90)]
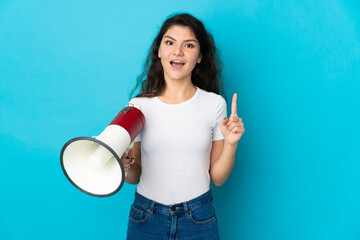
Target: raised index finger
[(234, 105)]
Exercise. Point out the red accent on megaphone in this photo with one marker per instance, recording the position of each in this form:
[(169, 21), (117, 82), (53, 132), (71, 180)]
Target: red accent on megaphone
[(131, 119)]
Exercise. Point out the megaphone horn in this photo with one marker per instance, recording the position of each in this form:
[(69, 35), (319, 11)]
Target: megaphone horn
[(93, 165)]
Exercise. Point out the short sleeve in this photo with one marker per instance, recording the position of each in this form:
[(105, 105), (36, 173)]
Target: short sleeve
[(137, 138), (220, 113)]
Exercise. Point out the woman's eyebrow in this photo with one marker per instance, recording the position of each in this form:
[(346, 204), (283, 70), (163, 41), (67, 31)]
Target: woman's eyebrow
[(188, 40)]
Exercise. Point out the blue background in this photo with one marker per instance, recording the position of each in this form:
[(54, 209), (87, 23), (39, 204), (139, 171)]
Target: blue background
[(67, 68)]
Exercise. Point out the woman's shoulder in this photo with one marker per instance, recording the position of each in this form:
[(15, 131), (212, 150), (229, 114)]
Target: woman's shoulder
[(141, 100), (211, 96)]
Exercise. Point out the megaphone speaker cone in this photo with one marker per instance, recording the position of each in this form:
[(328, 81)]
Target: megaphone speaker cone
[(98, 181)]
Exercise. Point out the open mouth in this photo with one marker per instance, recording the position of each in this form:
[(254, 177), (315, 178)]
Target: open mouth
[(177, 64)]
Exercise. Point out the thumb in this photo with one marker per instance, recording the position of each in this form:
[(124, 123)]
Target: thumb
[(224, 122)]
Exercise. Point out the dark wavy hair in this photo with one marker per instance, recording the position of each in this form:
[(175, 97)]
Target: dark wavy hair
[(206, 74)]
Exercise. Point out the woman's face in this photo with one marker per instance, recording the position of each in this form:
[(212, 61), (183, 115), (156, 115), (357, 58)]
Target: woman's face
[(179, 53)]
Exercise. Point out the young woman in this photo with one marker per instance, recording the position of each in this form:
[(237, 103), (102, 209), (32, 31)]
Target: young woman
[(187, 140)]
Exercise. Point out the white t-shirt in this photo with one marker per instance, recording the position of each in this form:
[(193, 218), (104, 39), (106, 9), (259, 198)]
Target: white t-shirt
[(175, 146)]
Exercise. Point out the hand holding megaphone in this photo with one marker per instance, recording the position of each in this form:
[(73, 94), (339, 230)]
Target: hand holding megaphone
[(128, 158), (94, 165)]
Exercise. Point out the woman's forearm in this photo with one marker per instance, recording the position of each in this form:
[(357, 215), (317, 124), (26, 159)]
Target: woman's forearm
[(222, 167)]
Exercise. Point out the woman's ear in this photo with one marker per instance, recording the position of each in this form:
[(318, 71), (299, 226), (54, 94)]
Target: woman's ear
[(199, 59), (159, 53)]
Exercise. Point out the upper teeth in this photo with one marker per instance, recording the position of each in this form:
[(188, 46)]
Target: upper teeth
[(176, 61)]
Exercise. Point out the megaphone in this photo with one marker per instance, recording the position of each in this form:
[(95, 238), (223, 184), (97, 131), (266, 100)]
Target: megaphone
[(93, 164)]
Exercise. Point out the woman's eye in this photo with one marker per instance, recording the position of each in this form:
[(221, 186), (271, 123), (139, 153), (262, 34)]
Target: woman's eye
[(189, 45), (168, 43)]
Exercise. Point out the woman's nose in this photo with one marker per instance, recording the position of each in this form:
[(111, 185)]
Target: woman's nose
[(178, 51)]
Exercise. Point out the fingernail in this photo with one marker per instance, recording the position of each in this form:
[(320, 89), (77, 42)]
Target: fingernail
[(225, 118)]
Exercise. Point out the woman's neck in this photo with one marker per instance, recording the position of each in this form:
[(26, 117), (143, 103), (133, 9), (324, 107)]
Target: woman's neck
[(177, 93)]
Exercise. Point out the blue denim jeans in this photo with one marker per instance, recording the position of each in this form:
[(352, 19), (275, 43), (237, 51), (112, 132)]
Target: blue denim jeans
[(194, 219)]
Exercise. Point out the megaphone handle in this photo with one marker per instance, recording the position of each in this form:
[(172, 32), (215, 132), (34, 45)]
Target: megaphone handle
[(127, 152), (129, 148)]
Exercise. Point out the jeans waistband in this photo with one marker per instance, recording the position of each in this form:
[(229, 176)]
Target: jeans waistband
[(187, 206)]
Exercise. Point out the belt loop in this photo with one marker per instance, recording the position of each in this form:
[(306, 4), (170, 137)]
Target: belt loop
[(186, 210), (151, 209), (211, 194)]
